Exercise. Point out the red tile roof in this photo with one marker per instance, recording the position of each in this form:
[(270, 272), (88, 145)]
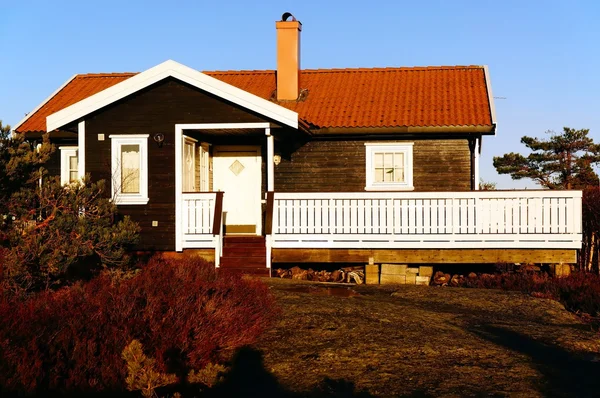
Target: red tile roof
[(339, 98), (81, 87)]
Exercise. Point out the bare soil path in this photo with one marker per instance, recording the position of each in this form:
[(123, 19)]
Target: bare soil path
[(425, 341)]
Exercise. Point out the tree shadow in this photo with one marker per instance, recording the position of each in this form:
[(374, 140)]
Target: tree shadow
[(564, 373)]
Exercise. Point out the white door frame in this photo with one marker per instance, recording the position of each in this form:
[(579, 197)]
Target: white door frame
[(179, 165), (245, 148)]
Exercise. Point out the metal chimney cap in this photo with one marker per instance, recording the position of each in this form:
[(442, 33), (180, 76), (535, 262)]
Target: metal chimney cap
[(286, 15)]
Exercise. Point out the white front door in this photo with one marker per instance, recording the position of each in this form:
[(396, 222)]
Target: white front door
[(237, 172)]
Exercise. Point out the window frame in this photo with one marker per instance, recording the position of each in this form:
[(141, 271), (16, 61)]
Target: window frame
[(67, 152), (117, 141), (406, 148)]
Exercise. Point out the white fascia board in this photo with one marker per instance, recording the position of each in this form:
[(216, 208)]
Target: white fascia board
[(181, 72), (488, 83), (43, 103)]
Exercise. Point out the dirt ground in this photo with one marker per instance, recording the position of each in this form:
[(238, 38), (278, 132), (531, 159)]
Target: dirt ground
[(423, 341)]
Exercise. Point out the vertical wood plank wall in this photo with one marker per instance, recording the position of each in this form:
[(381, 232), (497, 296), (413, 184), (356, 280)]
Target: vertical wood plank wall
[(339, 166), (155, 110)]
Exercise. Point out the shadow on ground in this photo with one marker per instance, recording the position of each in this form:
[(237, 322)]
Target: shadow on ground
[(564, 373), (248, 377)]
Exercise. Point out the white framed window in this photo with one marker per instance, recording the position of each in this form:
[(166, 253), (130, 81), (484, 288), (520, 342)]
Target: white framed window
[(389, 166), (69, 165), (129, 154)]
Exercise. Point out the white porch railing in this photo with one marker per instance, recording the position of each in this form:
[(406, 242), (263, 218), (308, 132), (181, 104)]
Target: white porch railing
[(474, 219), (199, 211)]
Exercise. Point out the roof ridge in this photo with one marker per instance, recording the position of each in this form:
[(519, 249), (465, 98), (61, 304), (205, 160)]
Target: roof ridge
[(107, 74), (395, 68), (319, 70), (242, 71)]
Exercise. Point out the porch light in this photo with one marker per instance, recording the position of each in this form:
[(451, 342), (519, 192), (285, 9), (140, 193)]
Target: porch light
[(276, 159), (159, 138)]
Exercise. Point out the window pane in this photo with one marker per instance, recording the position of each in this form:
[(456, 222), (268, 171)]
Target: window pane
[(73, 174), (398, 159), (388, 160), (378, 159), (389, 175), (130, 168), (399, 174), (379, 175)]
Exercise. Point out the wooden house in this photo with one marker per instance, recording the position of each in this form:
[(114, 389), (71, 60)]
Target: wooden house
[(298, 165)]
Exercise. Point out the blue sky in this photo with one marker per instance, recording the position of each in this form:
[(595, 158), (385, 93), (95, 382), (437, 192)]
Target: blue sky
[(544, 56)]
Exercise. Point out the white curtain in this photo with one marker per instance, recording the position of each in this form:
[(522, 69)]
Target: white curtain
[(130, 169)]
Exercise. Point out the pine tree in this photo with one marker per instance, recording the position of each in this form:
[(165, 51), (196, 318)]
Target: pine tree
[(564, 161), (52, 234)]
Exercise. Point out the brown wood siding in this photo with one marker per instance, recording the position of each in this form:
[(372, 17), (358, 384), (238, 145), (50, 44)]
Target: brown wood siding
[(155, 110), (339, 166), (53, 163)]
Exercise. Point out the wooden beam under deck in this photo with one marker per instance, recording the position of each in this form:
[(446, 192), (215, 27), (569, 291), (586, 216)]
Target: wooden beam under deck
[(425, 256)]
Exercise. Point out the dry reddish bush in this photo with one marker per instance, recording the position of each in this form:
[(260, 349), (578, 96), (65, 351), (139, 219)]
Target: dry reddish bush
[(578, 292), (183, 313)]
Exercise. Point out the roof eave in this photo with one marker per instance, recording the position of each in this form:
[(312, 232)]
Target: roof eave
[(44, 102), (482, 129)]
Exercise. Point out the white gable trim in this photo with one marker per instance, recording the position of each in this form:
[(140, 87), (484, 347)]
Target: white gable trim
[(188, 75), (37, 108), (488, 83)]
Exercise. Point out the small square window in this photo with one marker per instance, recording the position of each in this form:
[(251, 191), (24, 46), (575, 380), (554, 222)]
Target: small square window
[(130, 168), (389, 166)]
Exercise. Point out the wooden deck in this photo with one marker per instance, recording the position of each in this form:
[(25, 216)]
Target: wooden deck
[(404, 227)]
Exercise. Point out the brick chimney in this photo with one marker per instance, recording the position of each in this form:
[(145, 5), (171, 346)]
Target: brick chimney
[(288, 58)]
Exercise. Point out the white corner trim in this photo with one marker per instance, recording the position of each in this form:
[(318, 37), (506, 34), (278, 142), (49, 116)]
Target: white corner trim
[(37, 108), (181, 72), (81, 145), (488, 83)]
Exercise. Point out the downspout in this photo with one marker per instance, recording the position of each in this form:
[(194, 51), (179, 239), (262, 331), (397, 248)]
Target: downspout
[(472, 149)]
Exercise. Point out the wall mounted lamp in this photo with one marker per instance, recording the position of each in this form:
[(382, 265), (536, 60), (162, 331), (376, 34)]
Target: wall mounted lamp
[(276, 159), (159, 139)]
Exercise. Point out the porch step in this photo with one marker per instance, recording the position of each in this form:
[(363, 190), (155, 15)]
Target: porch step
[(244, 240), (246, 254), (245, 271)]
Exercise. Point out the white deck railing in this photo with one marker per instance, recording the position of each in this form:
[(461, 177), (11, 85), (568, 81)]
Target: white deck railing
[(198, 215), (474, 219)]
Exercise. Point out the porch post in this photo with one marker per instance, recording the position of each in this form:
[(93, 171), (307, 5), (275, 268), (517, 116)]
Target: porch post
[(178, 187), (270, 165), (81, 149)]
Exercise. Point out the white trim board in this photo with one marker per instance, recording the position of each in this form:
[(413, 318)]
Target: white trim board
[(488, 83), (178, 71)]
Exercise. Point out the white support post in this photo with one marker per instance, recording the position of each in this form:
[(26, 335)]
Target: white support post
[(269, 246), (81, 149), (178, 187), (270, 164), (476, 150)]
